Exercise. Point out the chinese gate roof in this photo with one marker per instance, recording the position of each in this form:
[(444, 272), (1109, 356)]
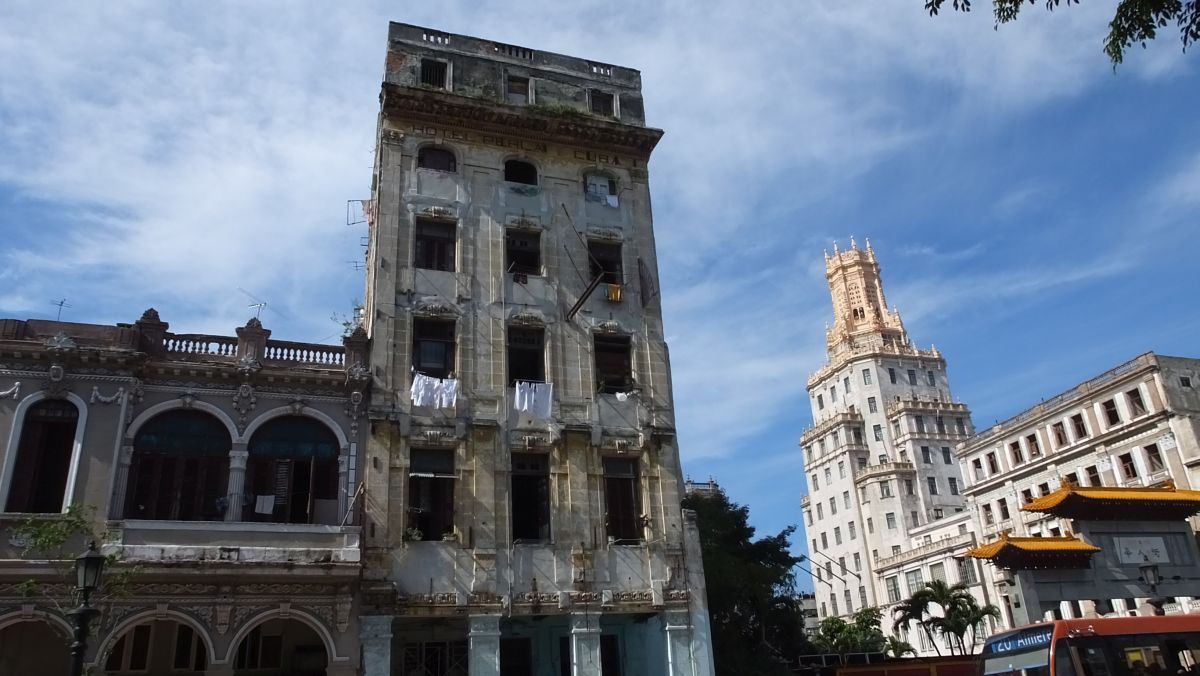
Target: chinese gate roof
[(1139, 503), (1021, 553)]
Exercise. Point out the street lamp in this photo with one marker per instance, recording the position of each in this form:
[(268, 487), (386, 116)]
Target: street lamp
[(1152, 578), (89, 569)]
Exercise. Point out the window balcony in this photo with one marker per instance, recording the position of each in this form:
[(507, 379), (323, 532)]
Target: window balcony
[(886, 469), (234, 542)]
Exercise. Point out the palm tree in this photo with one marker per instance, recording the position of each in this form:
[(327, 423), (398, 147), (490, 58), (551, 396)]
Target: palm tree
[(915, 608), (898, 647), (952, 600), (972, 616)]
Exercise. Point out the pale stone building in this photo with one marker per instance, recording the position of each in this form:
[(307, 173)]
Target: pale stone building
[(884, 510), (530, 522), (221, 470), (1136, 424)]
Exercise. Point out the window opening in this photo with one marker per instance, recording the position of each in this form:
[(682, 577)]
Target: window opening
[(1154, 459), (438, 159), (600, 188), (180, 469), (516, 171), (434, 658), (1136, 405), (517, 91), (43, 458), (434, 245), (292, 472), (614, 368), (523, 251), (603, 103), (516, 656), (433, 347), (1079, 426), (622, 500), (530, 497), (431, 494), (1110, 412), (526, 355), (433, 73), (605, 258)]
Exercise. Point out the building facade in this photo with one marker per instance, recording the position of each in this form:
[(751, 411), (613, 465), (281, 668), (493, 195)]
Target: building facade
[(220, 471), (884, 509), (523, 483), (1134, 425)]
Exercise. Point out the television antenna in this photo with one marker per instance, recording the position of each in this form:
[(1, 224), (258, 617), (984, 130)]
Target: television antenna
[(60, 304), (259, 304)]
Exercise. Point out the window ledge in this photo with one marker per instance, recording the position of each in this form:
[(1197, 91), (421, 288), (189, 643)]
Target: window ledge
[(234, 526)]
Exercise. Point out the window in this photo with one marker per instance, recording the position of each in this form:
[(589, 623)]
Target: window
[(892, 375), (890, 518), (190, 652), (960, 426), (862, 596), (1035, 451), (1060, 434), (530, 497), (1043, 489), (820, 402), (966, 571), (832, 394), (602, 103), (605, 259), (610, 656), (846, 499), (614, 367), (1154, 459), (523, 251), (517, 90), (1128, 467), (131, 652), (828, 475), (920, 420), (824, 540), (438, 159), (913, 579), (837, 535), (433, 247), (846, 598), (432, 658), (989, 517), (862, 463), (832, 506), (433, 73), (926, 455), (833, 604), (816, 484), (877, 431), (953, 485), (1136, 405), (885, 489), (600, 189), (941, 424), (1078, 426), (912, 377), (1093, 475), (1003, 505), (893, 588), (433, 347), (866, 373), (870, 525), (516, 656), (44, 458), (1185, 381), (929, 378), (858, 435), (833, 440), (1015, 451), (814, 548), (430, 493), (1111, 415), (993, 466), (1027, 496), (292, 473), (937, 571), (946, 457), (872, 406), (932, 483), (852, 530), (622, 500), (909, 487), (937, 514), (808, 516), (517, 171), (526, 360), (895, 428), (846, 384), (180, 469), (841, 469), (1056, 532)]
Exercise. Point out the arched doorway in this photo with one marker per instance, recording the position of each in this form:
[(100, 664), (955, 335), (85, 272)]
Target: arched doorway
[(157, 647), (43, 458), (292, 472), (281, 647), (180, 468), (34, 648)]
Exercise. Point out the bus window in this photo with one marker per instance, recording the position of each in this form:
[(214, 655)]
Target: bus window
[(1157, 654)]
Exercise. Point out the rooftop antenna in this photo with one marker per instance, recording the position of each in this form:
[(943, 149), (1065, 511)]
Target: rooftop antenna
[(259, 304), (60, 304)]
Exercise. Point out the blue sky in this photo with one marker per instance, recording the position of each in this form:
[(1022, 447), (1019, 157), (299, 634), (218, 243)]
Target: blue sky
[(1035, 212)]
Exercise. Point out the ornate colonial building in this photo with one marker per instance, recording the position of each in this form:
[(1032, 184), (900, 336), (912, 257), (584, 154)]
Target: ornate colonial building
[(219, 470), (522, 469)]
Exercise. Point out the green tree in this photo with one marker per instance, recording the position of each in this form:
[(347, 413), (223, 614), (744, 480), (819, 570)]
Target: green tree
[(1135, 21), (757, 621), (959, 613), (898, 647), (862, 634)]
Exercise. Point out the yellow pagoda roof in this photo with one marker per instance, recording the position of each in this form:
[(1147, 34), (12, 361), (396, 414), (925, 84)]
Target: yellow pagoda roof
[(1112, 503), (1068, 544)]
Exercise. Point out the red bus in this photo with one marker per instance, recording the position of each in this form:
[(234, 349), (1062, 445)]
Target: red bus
[(1164, 645)]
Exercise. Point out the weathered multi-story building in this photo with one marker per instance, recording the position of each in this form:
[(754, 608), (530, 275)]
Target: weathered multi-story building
[(883, 482), (522, 471), (220, 471)]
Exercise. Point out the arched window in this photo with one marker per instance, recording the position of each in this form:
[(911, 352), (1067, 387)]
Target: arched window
[(516, 171), (292, 473), (440, 159), (44, 453), (180, 468), (600, 188)]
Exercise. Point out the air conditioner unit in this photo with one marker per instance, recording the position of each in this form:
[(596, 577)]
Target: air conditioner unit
[(614, 292)]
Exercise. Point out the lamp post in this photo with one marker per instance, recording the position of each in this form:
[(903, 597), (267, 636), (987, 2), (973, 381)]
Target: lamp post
[(1152, 578), (89, 568)]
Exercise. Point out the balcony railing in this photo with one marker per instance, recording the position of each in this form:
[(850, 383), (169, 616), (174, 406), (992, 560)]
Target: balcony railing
[(872, 471), (944, 544)]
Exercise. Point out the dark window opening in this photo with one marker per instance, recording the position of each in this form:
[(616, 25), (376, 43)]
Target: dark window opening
[(434, 658), (180, 469), (516, 171), (433, 73), (600, 188), (434, 246), (623, 506), (1128, 466), (43, 458), (614, 367), (1136, 405), (1110, 412), (1154, 459), (530, 497), (605, 258), (431, 494), (1093, 475), (189, 650), (912, 377), (1080, 427), (131, 652), (523, 251), (292, 473), (516, 657), (526, 355), (439, 159), (517, 92), (433, 347), (610, 655), (602, 103)]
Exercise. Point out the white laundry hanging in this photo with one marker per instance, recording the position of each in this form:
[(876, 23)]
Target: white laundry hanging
[(447, 392), (534, 399), (264, 504), (434, 392)]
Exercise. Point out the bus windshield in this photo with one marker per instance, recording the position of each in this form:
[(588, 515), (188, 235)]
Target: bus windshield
[(1157, 654), (1025, 652)]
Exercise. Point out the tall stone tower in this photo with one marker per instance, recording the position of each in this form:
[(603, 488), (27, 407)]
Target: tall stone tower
[(523, 485), (879, 457)]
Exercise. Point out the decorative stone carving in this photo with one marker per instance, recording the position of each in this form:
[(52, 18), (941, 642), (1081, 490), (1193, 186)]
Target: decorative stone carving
[(202, 613), (297, 405), (605, 234), (341, 609), (60, 344), (248, 365), (244, 401), (13, 392), (242, 613), (56, 386), (438, 212), (353, 411), (114, 398), (114, 615), (188, 398), (434, 306), (357, 375), (392, 136), (528, 317), (609, 326), (323, 613)]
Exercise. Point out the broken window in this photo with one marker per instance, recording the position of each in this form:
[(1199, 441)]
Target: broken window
[(1015, 450), (530, 497), (1079, 426), (622, 500), (1003, 505), (439, 159), (1154, 459), (523, 251), (993, 466), (434, 245), (517, 90), (1136, 405), (600, 188), (433, 73), (602, 103), (1093, 475), (180, 469), (989, 517), (1060, 434), (526, 355), (43, 458), (430, 493), (516, 171), (1035, 451), (605, 258), (433, 347), (614, 368), (1128, 467), (292, 473), (1110, 412)]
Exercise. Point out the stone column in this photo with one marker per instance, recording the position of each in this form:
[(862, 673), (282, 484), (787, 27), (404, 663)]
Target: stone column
[(121, 484), (484, 645), (679, 643), (585, 644), (376, 636), (237, 481)]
